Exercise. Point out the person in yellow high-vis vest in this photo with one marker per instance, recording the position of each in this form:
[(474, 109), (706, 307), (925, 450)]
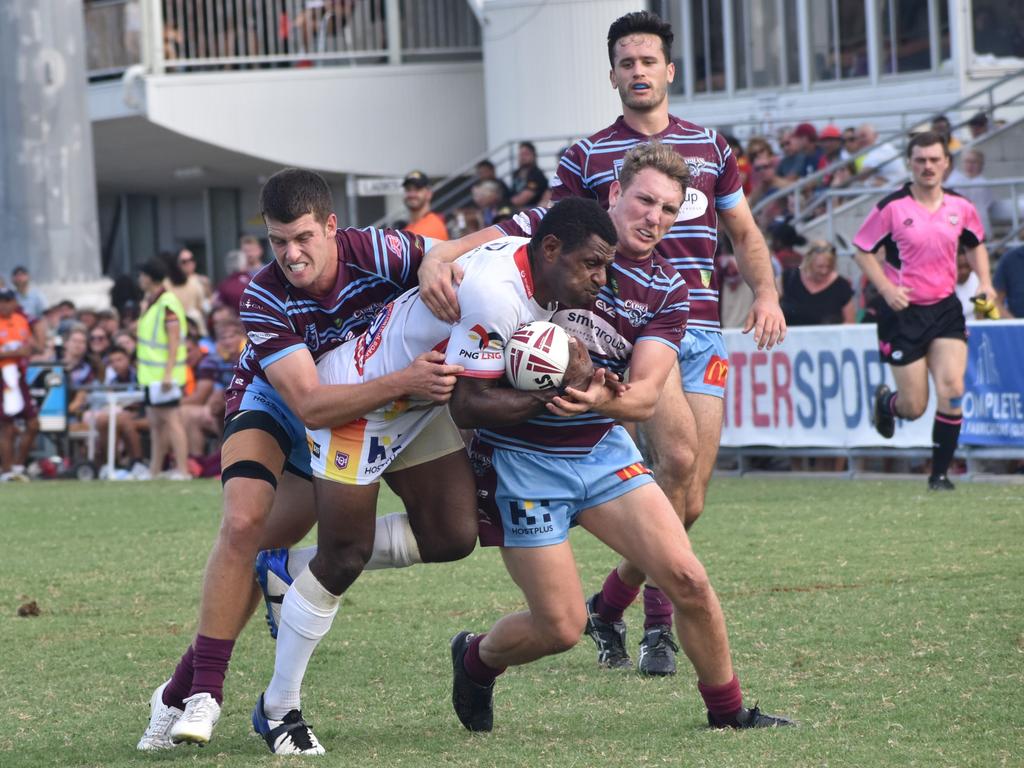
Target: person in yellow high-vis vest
[(161, 370)]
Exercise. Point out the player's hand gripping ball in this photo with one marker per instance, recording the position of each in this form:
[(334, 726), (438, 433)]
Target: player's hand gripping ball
[(536, 356)]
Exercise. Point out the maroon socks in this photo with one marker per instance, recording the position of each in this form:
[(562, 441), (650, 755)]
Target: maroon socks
[(479, 672), (657, 608), (615, 597), (723, 701), (180, 683), (210, 661)]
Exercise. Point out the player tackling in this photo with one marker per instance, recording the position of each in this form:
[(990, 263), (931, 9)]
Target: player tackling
[(574, 465)]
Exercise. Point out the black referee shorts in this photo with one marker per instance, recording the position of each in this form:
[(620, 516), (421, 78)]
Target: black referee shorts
[(904, 336)]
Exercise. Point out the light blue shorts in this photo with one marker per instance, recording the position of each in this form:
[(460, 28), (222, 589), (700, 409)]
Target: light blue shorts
[(260, 396), (532, 500), (703, 362)]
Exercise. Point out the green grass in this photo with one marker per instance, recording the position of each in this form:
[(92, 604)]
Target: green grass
[(889, 622)]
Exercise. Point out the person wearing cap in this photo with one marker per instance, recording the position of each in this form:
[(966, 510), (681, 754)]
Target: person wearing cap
[(802, 154), (830, 142), (17, 403), (422, 220)]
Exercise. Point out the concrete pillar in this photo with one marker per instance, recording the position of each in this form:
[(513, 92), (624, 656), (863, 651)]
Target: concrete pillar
[(47, 182)]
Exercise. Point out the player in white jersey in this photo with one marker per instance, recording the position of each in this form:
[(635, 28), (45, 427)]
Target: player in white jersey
[(413, 446)]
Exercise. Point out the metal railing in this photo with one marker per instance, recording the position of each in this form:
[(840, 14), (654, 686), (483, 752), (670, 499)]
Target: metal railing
[(190, 35), (1013, 219), (983, 100)]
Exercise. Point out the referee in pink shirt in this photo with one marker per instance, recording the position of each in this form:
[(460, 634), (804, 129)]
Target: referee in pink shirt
[(907, 248)]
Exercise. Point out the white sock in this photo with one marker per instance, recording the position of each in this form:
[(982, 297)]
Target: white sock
[(298, 560), (394, 546), (306, 616)]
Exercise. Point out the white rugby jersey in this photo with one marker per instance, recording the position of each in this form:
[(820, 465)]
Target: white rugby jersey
[(495, 296)]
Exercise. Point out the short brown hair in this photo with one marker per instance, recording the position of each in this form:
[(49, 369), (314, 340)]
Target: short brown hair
[(658, 156), (928, 139), (292, 193)]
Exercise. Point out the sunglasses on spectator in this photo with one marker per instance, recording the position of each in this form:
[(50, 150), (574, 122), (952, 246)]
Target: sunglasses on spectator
[(762, 166), (188, 260), (98, 337)]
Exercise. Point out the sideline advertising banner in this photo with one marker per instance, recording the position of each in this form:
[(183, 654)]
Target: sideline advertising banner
[(994, 386), (816, 390)]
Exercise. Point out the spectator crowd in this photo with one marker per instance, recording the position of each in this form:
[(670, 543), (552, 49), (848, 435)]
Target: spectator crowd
[(170, 339)]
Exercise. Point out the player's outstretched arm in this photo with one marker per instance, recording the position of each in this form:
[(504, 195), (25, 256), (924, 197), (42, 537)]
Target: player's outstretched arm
[(320, 406), (439, 277), (754, 261)]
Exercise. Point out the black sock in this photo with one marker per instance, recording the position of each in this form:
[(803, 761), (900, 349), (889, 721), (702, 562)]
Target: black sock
[(945, 433)]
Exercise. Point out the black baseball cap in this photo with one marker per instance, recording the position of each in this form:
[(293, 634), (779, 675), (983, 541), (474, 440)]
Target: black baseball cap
[(415, 179), (7, 294)]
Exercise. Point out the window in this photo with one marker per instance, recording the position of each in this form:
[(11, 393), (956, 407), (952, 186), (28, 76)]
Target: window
[(998, 28), (791, 47), (708, 46), (758, 42), (838, 39), (906, 34)]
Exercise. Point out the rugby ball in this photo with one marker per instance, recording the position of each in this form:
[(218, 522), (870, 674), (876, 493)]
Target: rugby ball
[(536, 356)]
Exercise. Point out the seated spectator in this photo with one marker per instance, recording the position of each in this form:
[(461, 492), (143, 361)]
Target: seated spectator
[(815, 293), (882, 166), (742, 161), (19, 424), (120, 373), (485, 172), (758, 146), (965, 180), (418, 197), (735, 298), (801, 154), (126, 341), (528, 182), (966, 283), (782, 240), (766, 182), (1009, 283), (831, 142), (80, 377), (941, 126), (486, 198), (99, 346), (978, 125)]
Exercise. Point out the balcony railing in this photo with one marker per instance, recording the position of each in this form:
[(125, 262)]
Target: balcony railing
[(183, 35)]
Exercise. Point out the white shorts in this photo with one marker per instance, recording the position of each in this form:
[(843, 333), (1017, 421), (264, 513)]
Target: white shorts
[(402, 434)]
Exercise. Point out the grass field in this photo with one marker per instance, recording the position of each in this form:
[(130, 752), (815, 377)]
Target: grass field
[(889, 622)]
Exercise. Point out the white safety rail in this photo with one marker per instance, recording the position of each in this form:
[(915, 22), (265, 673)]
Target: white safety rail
[(205, 35)]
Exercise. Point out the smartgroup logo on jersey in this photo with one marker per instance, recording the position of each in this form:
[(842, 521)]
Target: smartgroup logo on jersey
[(695, 205)]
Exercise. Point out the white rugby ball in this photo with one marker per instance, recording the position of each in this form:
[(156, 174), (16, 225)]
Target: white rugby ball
[(536, 356)]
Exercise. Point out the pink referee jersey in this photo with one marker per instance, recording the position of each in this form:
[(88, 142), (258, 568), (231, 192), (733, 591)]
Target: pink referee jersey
[(920, 246)]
